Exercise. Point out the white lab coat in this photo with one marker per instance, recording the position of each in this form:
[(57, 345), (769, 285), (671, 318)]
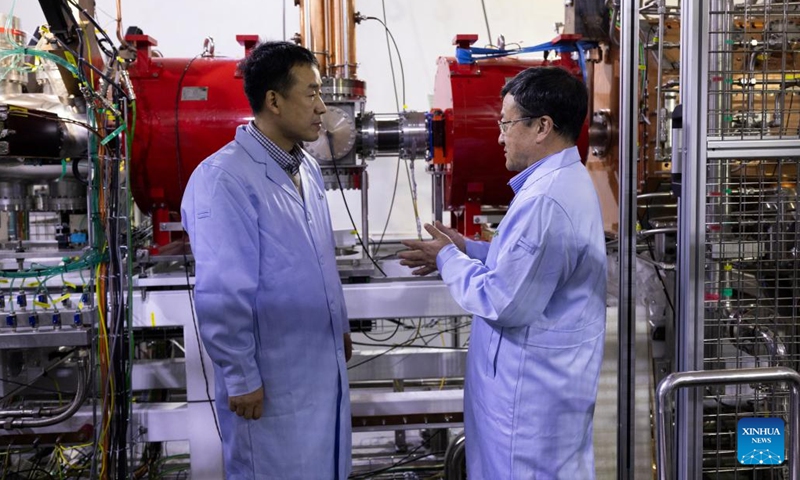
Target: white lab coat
[(271, 312), (538, 295)]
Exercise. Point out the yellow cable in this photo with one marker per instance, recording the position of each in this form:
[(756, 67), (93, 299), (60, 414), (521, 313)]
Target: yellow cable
[(89, 53), (58, 390), (104, 340)]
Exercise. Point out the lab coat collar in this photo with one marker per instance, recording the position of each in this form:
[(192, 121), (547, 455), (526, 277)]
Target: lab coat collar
[(548, 165), (273, 171)]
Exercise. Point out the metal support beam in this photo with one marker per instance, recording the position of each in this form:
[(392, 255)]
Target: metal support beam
[(628, 154), (691, 229)]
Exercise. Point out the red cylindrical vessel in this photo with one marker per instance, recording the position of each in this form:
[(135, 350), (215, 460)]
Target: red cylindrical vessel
[(469, 96), (187, 109)]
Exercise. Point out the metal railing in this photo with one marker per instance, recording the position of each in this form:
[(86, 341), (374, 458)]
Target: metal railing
[(728, 377)]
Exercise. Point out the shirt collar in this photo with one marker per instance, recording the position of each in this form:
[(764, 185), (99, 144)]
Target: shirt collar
[(518, 181), (288, 161)]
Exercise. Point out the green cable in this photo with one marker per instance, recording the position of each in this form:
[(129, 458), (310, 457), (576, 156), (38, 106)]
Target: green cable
[(39, 53), (63, 169)]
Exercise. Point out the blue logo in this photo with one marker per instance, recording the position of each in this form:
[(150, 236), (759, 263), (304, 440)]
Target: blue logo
[(759, 441)]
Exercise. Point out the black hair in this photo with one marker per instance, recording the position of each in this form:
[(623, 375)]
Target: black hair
[(268, 67), (554, 92)]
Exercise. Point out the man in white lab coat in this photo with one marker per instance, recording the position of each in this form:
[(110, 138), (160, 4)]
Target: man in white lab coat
[(269, 301), (537, 293)]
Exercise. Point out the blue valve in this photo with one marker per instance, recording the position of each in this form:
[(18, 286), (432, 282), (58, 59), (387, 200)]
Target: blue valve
[(42, 298), (11, 320), (22, 300), (56, 319), (32, 320), (76, 319)]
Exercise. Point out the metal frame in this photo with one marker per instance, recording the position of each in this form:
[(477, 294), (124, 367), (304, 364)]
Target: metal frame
[(628, 149), (752, 148), (706, 56), (691, 218)]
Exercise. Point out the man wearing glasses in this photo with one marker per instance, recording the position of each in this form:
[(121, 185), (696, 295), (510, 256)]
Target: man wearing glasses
[(537, 293)]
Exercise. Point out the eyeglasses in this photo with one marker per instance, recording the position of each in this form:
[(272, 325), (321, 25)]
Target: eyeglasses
[(505, 125)]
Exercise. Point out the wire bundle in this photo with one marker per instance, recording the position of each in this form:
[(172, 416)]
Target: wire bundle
[(110, 124)]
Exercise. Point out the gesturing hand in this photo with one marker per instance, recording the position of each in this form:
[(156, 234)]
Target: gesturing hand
[(422, 254)]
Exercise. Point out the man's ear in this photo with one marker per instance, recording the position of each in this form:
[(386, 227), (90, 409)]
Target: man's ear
[(546, 125), (271, 101)]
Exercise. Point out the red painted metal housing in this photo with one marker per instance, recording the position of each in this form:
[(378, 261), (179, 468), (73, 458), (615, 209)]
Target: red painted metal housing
[(468, 96), (187, 109)]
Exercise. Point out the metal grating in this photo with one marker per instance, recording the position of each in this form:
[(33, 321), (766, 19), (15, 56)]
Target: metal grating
[(753, 70), (751, 229)]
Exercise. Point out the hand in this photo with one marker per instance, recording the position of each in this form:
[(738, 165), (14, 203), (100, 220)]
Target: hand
[(348, 347), (456, 237), (250, 405), (422, 254)]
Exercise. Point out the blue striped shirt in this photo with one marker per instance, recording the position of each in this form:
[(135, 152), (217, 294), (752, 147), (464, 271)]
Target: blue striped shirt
[(519, 179), (289, 161)]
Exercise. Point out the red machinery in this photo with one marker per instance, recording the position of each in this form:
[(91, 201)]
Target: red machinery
[(187, 109), (467, 99)]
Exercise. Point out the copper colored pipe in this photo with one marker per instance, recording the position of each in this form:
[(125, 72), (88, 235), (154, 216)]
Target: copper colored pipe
[(303, 34), (343, 61), (351, 38), (318, 43), (336, 46), (119, 25)]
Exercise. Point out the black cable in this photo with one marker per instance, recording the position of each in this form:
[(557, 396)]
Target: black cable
[(209, 401), (177, 127), (391, 61), (114, 53), (28, 113), (350, 367), (428, 347), (381, 340), (391, 205), (422, 337), (347, 207), (404, 344), (190, 290), (107, 52), (486, 19), (26, 385), (660, 278), (613, 22), (117, 454), (403, 461), (403, 78), (399, 58), (82, 61), (119, 365), (397, 105)]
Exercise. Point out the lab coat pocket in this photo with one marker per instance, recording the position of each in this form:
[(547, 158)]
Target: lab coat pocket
[(526, 245), (495, 338), (278, 403)]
